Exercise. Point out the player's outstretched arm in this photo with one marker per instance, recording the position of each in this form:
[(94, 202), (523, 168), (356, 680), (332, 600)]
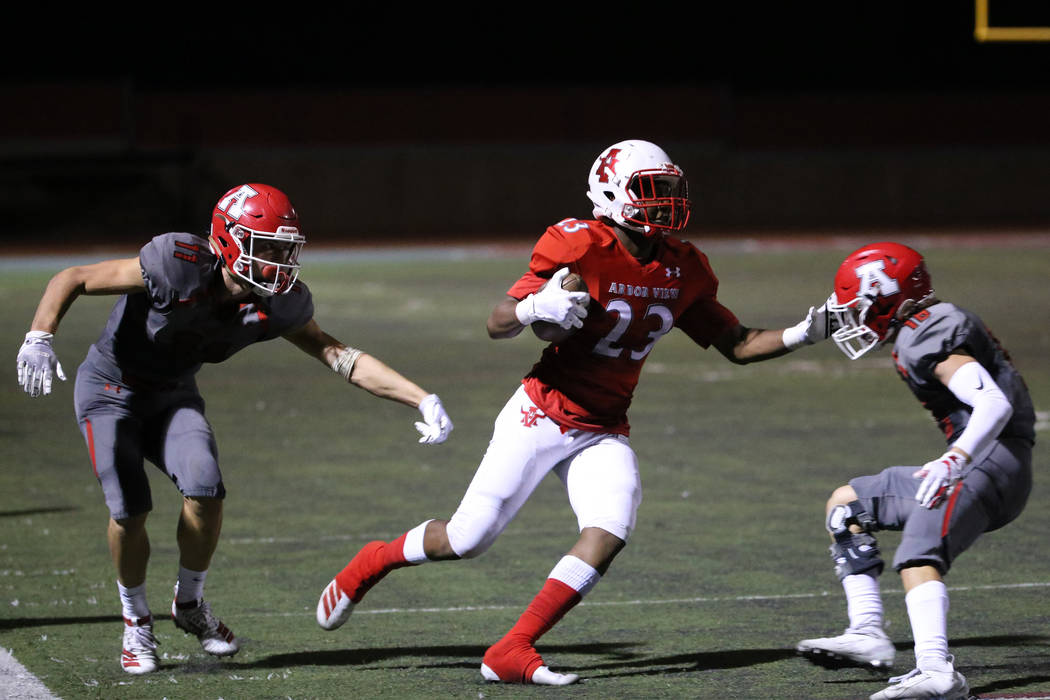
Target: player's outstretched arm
[(741, 345), (375, 377), (37, 362)]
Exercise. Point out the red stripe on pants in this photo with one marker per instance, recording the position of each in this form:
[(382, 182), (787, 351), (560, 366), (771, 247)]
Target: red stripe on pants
[(91, 445), (948, 508)]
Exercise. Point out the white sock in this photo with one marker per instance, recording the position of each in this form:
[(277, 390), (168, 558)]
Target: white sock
[(190, 585), (133, 601), (928, 611), (575, 573), (863, 601), (414, 544)]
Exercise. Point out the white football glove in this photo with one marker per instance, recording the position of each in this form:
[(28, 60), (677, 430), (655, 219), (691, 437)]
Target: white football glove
[(939, 478), (436, 425), (37, 364), (818, 325), (554, 304)]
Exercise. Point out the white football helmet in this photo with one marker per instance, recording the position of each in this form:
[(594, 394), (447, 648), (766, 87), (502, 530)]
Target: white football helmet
[(635, 184)]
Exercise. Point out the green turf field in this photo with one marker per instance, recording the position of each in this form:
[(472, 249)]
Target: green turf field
[(727, 570)]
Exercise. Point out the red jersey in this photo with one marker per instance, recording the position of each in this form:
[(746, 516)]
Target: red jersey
[(587, 381)]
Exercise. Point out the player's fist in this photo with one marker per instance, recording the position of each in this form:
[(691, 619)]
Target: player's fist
[(436, 425), (939, 478), (555, 303), (37, 364)]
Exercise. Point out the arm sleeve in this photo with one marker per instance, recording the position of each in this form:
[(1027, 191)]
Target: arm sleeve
[(972, 385), (706, 320)]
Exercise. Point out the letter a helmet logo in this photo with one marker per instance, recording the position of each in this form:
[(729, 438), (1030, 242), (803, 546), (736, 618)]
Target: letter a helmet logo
[(233, 204), (874, 281), (607, 166)]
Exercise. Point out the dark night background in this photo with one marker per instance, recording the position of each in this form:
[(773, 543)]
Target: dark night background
[(402, 124)]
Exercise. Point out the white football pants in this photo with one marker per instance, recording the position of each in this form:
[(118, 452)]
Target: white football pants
[(599, 470)]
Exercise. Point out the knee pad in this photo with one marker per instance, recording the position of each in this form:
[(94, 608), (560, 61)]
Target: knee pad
[(841, 517), (853, 553), (856, 554)]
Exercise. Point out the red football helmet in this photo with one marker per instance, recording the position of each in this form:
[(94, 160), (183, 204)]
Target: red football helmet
[(871, 287), (255, 230), (635, 184)]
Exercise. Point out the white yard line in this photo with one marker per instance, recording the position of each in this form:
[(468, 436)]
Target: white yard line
[(17, 682), (655, 601)]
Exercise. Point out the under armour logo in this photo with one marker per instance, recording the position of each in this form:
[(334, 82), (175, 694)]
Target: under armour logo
[(673, 271), (530, 416), (607, 165)]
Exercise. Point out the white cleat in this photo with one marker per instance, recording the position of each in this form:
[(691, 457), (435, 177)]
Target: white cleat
[(197, 619), (334, 607), (869, 647), (949, 685), (541, 676), (139, 654)]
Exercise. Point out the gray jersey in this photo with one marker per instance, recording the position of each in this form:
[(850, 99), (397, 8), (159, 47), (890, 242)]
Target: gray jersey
[(167, 331), (135, 395), (928, 337)]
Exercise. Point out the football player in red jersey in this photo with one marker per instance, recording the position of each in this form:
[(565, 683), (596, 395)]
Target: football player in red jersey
[(958, 371), (569, 416), (186, 300)]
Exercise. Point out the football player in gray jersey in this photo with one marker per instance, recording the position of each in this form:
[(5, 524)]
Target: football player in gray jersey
[(186, 300), (958, 370)]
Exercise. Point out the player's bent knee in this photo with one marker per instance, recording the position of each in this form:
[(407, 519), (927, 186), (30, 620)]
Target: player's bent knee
[(841, 496), (849, 517), (470, 537), (468, 547)]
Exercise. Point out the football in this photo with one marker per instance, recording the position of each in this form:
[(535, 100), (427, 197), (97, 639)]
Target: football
[(552, 332)]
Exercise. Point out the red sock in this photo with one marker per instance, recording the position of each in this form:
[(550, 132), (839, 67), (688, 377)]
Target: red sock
[(550, 605), (370, 565), (513, 658)]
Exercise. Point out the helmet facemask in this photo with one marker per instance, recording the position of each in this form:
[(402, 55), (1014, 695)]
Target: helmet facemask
[(659, 201), (866, 322), (852, 336), (268, 261)]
